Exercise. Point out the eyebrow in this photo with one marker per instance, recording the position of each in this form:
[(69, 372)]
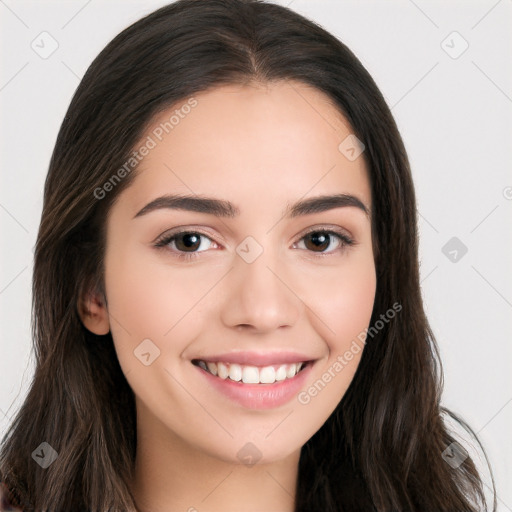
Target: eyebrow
[(221, 208)]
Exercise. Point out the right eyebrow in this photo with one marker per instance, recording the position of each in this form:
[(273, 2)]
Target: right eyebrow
[(199, 204)]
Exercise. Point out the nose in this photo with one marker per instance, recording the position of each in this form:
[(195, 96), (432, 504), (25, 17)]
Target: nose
[(259, 295)]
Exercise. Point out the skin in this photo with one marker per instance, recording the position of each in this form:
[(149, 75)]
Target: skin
[(260, 147)]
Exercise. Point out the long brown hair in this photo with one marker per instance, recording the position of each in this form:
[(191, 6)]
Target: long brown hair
[(381, 448)]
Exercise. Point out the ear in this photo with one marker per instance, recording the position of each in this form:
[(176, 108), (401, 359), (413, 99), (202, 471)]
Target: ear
[(94, 314)]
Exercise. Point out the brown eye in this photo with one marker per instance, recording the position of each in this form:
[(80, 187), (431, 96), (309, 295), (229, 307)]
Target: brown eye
[(320, 240), (186, 241)]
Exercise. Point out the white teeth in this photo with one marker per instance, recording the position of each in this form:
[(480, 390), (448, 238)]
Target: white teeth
[(222, 371), (212, 367), (235, 372), (267, 375), (291, 371), (251, 374), (281, 373)]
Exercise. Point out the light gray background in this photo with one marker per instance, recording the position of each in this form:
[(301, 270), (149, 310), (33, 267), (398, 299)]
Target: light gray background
[(455, 115)]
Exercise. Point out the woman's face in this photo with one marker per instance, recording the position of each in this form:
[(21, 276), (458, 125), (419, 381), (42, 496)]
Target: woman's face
[(255, 283)]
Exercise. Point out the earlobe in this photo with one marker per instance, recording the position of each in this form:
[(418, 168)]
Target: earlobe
[(93, 313)]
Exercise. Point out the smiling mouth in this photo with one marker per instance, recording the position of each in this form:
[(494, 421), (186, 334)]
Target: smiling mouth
[(248, 374)]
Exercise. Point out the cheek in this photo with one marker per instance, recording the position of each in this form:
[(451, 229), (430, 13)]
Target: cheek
[(351, 304), (151, 300), (352, 297), (342, 297), (342, 306), (139, 302)]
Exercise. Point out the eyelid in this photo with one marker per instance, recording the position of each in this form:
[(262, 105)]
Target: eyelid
[(183, 229), (330, 228)]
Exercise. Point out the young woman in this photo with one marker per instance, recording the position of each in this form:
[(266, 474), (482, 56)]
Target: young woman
[(226, 288)]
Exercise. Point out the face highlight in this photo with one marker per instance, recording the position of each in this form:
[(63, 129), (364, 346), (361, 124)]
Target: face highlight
[(246, 234)]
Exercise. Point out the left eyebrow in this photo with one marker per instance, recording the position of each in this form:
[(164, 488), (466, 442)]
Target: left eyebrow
[(324, 203), (221, 208)]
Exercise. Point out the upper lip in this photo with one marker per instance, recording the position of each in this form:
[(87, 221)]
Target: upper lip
[(257, 358)]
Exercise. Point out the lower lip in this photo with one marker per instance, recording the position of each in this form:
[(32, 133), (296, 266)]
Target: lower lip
[(259, 396)]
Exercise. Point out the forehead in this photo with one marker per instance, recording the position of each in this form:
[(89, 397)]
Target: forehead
[(280, 139)]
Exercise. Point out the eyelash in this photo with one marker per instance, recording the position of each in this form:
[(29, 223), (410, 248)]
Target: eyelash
[(165, 240)]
